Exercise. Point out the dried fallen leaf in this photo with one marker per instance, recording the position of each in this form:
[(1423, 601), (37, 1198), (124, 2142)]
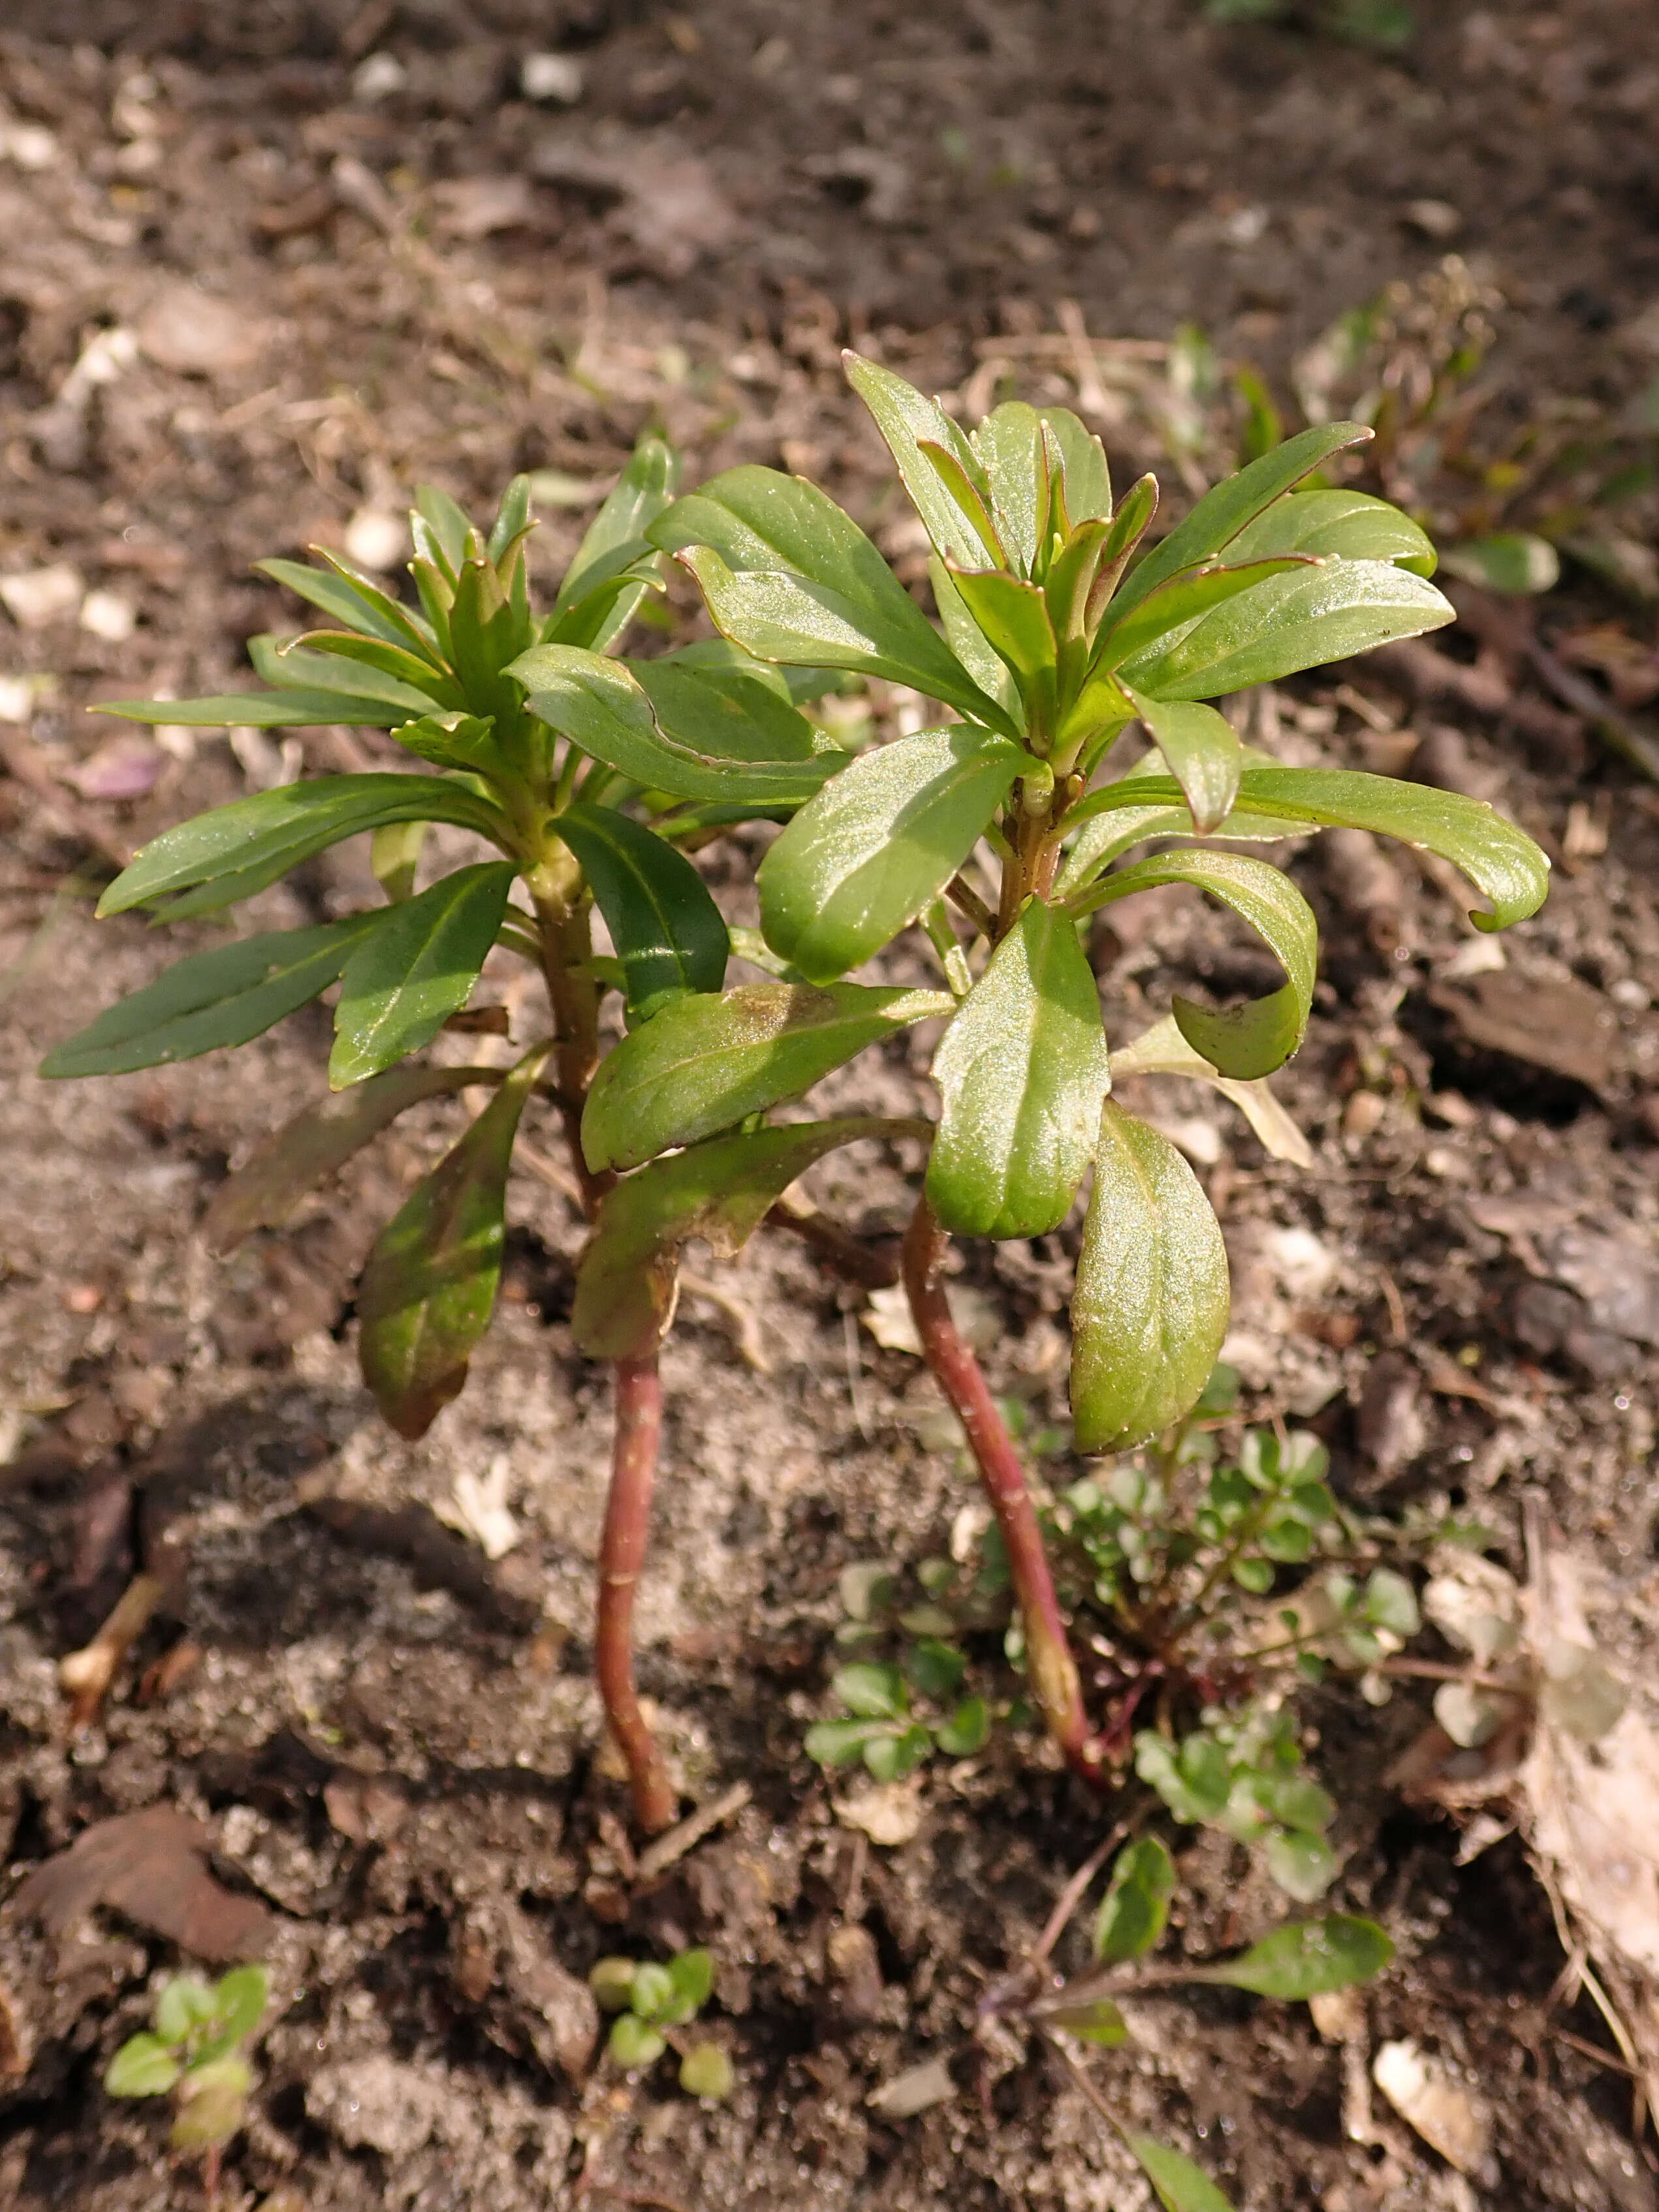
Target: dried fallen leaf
[(152, 1868), (1440, 2109)]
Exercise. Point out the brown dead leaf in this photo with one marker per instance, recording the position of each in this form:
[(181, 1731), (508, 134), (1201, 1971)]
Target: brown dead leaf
[(152, 1868)]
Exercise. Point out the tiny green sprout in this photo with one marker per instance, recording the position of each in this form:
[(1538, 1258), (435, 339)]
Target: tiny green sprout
[(650, 2002), (885, 1727), (191, 2052)]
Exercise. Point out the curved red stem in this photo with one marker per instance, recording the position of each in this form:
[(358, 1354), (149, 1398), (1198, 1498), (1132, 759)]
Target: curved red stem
[(621, 1551)]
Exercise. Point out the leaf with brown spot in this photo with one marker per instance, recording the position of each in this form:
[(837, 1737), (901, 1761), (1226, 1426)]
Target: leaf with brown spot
[(152, 1868)]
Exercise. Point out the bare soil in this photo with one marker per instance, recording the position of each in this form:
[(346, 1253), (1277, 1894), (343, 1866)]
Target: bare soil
[(355, 257)]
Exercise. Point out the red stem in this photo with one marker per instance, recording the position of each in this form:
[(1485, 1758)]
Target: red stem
[(622, 1550), (1049, 1658)]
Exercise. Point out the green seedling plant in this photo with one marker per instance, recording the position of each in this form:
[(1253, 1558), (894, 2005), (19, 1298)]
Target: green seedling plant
[(651, 2004), (900, 1710), (585, 779), (192, 2053), (996, 834)]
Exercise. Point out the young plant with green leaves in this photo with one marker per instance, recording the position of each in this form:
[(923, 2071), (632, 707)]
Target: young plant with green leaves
[(193, 2053), (651, 2004), (1292, 1964), (1008, 817), (585, 779)]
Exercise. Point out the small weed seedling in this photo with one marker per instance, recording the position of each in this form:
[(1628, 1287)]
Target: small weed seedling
[(651, 2003), (193, 2055), (1299, 1960), (899, 1710), (1009, 819)]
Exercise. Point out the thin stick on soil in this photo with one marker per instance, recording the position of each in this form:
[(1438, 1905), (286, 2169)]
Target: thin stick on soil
[(622, 1550), (1048, 1656)]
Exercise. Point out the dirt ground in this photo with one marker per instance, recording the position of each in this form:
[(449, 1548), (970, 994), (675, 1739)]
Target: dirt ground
[(264, 266)]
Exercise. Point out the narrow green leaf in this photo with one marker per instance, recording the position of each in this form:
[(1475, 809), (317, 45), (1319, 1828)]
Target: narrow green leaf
[(791, 578), (866, 855), (249, 843), (1009, 446), (213, 999), (292, 666), (1150, 1308), (351, 599), (1181, 2185), (446, 527), (1136, 1906), (1226, 509), (719, 1191), (1087, 478), (1135, 510), (407, 977), (1203, 752), (701, 1064), (145, 2066), (428, 1289), (616, 536), (968, 641), (1301, 619), (1307, 1959), (1013, 617), (602, 706), (462, 741), (668, 932), (487, 633), (1499, 859), (285, 709), (512, 517), (1349, 525), (265, 1190), (1021, 1071), (375, 655), (958, 525), (1174, 608)]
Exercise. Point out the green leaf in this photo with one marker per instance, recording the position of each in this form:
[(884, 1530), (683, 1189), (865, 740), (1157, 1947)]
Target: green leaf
[(446, 526), (1301, 1863), (1307, 1959), (394, 857), (145, 2066), (269, 1183), (839, 1743), (1251, 1041), (1163, 1050), (1098, 2021), (1022, 1071), (1351, 526), (407, 977), (701, 1063), (732, 714), (652, 1992), (1193, 1779), (1181, 2185), (692, 1973), (241, 848), (1202, 749), (706, 2071), (264, 710), (1150, 1308), (611, 1980), (1135, 510), (1136, 1906), (1226, 509), (398, 662), (863, 857), (1176, 607), (635, 2043), (958, 527), (791, 578), (615, 539), (936, 1668), (1391, 1603), (1013, 616), (213, 999), (719, 1191), (1009, 446), (1301, 619), (185, 2003), (1083, 470), (874, 1691), (1499, 859), (239, 1998), (966, 1730), (968, 641), (351, 599), (426, 1295), (668, 932), (1510, 561), (292, 666), (889, 1757), (602, 706)]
